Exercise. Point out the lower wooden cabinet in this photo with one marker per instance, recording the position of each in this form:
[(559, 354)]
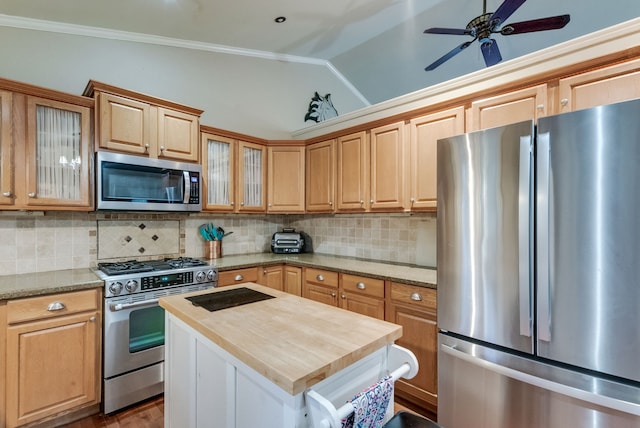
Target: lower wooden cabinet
[(292, 280), (414, 308), (271, 276), (237, 276), (352, 292), (52, 355)]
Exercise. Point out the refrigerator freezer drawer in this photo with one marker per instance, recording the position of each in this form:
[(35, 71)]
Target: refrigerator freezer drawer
[(484, 388)]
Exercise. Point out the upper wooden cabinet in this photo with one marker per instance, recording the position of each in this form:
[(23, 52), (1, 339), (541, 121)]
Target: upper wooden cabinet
[(425, 131), (286, 179), (6, 149), (616, 83), (45, 149), (511, 107), (234, 174), (353, 172), (135, 123), (388, 168), (321, 176)]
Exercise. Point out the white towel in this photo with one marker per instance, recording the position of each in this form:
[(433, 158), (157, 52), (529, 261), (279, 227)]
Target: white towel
[(370, 406)]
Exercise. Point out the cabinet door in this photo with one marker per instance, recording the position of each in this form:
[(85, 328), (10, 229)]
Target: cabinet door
[(57, 155), (389, 169), (363, 305), (620, 82), (425, 132), (125, 124), (321, 286), (285, 185), (218, 166), (7, 191), (512, 107), (178, 135), (52, 366), (293, 280), (414, 308), (252, 175), (320, 176), (321, 294), (271, 276), (353, 172)]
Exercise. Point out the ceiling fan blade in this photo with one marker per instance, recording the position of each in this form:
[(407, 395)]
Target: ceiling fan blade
[(454, 31), (490, 52), (542, 24), (504, 11), (449, 55)]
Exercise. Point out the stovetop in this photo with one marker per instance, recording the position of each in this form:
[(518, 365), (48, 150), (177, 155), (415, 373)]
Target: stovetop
[(135, 277), (134, 266)]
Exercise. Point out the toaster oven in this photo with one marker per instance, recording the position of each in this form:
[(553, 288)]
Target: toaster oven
[(287, 242)]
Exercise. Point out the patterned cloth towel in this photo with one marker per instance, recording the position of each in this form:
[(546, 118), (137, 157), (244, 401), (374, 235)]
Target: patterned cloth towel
[(370, 406)]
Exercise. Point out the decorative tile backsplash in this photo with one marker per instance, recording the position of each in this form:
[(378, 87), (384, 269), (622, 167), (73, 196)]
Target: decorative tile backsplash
[(37, 242), (118, 239)]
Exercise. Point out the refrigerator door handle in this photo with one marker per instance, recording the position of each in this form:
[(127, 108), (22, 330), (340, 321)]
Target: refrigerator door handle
[(579, 394), (524, 235), (542, 226)]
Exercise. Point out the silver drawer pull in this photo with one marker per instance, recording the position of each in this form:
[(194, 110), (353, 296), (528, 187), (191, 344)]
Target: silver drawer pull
[(56, 306), (239, 277), (320, 277), (416, 296), (361, 286)]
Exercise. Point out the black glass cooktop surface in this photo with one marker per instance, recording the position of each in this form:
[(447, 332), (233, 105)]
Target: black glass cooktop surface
[(228, 299)]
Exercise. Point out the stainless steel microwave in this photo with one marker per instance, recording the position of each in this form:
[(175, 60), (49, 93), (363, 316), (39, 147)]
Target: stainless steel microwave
[(135, 183)]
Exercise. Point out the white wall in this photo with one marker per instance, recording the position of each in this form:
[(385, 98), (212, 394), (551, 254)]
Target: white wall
[(259, 97)]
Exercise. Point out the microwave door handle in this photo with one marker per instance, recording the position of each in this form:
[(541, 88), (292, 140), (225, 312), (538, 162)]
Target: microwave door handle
[(187, 187)]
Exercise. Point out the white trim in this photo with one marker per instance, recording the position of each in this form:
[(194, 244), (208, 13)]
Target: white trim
[(102, 33), (613, 39)]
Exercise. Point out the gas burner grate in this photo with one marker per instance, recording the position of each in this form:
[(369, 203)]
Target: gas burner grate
[(184, 262), (120, 268)]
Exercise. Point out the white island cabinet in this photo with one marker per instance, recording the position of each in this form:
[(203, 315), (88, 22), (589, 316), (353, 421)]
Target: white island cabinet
[(249, 366)]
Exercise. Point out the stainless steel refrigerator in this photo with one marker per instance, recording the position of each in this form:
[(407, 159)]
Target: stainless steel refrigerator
[(539, 273)]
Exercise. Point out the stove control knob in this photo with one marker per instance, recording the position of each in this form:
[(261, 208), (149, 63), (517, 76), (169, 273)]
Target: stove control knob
[(132, 285), (115, 287), (200, 276), (211, 275)]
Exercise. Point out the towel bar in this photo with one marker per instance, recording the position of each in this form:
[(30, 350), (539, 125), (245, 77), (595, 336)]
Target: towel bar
[(323, 414)]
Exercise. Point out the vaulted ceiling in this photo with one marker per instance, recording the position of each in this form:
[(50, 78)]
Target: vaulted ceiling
[(377, 46)]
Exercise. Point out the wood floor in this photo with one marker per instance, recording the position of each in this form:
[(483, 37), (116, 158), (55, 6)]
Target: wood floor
[(149, 414)]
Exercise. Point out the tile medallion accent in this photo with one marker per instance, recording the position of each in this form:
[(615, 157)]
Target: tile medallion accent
[(130, 238)]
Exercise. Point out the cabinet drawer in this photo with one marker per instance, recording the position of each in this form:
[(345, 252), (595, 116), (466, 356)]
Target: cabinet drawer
[(326, 278), (42, 307), (363, 285), (237, 276), (411, 294)]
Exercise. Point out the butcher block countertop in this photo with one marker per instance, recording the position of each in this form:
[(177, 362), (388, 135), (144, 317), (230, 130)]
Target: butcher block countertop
[(292, 341)]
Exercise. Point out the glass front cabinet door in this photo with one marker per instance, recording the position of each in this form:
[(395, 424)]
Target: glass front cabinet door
[(6, 156), (57, 155), (218, 166)]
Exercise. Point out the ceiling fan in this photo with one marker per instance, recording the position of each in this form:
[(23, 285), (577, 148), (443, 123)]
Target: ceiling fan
[(481, 28)]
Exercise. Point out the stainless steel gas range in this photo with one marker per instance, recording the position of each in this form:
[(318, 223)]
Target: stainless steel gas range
[(133, 345)]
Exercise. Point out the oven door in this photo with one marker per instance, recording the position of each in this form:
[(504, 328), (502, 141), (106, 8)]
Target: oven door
[(133, 335)]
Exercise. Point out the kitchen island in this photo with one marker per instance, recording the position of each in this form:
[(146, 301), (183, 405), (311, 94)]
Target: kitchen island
[(249, 365)]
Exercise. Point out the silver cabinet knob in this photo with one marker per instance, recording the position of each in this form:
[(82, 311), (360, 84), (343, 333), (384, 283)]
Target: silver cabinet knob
[(371, 201), (416, 297), (330, 203), (361, 202), (162, 148), (564, 101), (361, 286), (333, 294), (540, 106), (56, 306), (320, 277), (412, 200), (239, 278), (343, 297), (32, 195), (92, 319), (6, 194)]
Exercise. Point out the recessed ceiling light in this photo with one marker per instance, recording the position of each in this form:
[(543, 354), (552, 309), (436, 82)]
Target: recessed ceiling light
[(280, 19)]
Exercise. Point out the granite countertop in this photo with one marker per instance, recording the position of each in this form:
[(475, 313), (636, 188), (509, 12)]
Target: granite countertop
[(408, 274), (40, 283), (285, 339)]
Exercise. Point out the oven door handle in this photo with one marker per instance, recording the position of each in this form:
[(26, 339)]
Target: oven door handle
[(122, 306)]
